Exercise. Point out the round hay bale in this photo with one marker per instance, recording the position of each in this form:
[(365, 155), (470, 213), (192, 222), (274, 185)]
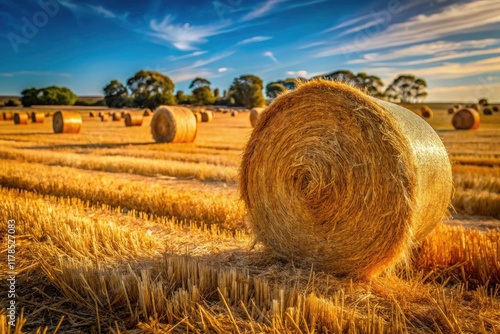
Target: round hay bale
[(104, 117), (198, 117), (117, 116), (451, 110), (67, 122), (123, 114), (91, 114), (173, 125), (48, 114), (147, 112), (133, 119), (100, 114), (254, 115), (7, 116), (426, 112), (21, 118), (495, 109), (466, 119), (37, 117), (207, 116), (336, 179), (234, 113), (487, 111)]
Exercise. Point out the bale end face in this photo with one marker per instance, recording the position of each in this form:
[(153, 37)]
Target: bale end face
[(207, 116), (173, 125), (66, 122), (426, 112), (254, 115), (21, 118), (466, 119), (350, 186), (133, 119), (37, 117)]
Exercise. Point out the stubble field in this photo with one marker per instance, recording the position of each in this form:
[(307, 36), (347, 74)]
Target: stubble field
[(118, 234)]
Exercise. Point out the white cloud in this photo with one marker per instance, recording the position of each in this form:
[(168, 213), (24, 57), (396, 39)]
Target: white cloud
[(102, 11), (451, 20), (68, 4), (301, 73), (222, 69), (254, 40), (184, 36), (261, 10), (311, 45), (271, 56), (187, 74), (466, 93), (189, 55)]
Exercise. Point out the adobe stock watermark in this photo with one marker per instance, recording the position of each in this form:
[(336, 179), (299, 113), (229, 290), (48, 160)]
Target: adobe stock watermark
[(31, 26), (381, 20), (484, 89), (223, 7)]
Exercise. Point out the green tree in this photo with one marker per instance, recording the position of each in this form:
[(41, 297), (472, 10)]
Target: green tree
[(199, 82), (29, 97), (273, 89), (52, 95), (247, 91), (151, 89), (116, 95), (216, 93), (11, 103), (341, 75), (407, 88), (203, 95), (370, 84)]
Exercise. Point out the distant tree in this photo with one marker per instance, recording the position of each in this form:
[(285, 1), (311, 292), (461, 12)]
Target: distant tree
[(11, 103), (203, 95), (216, 93), (29, 97), (483, 101), (341, 75), (406, 88), (198, 82), (247, 91), (370, 84), (116, 95), (52, 95), (273, 89), (224, 94), (151, 89)]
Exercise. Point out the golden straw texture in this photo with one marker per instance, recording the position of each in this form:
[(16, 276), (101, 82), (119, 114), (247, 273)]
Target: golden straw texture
[(207, 116), (117, 116), (21, 118), (344, 182), (37, 117), (254, 115), (173, 125), (7, 116), (133, 118), (466, 119), (66, 122)]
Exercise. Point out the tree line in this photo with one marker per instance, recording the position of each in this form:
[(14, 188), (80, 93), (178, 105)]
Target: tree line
[(149, 89)]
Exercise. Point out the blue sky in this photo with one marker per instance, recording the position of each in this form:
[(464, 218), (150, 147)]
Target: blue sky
[(454, 45)]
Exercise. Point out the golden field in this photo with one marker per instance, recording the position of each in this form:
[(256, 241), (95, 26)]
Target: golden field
[(118, 234)]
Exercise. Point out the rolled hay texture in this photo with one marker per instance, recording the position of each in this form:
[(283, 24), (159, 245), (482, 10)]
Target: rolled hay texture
[(67, 122), (426, 112), (21, 118), (91, 114), (198, 117), (104, 117), (117, 116), (495, 109), (234, 113), (487, 111), (466, 119), (254, 115), (37, 117), (341, 181), (173, 125), (207, 116), (147, 112), (452, 110), (133, 119), (7, 116)]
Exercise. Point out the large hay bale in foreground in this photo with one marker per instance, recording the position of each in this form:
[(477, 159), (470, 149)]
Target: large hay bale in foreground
[(254, 115), (347, 183), (207, 116), (21, 118), (37, 117), (426, 112), (466, 119), (133, 119), (7, 116), (173, 125), (67, 122)]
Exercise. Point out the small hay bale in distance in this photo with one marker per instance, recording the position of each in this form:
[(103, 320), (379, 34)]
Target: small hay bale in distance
[(147, 112), (7, 116), (426, 112), (207, 116), (66, 122), (466, 119), (117, 116), (133, 118), (254, 115), (335, 179), (234, 113), (198, 117), (91, 114), (104, 117), (487, 111), (173, 125), (21, 118), (452, 110), (495, 109), (37, 117)]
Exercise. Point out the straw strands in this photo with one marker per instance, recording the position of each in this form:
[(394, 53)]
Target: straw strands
[(66, 122), (173, 125)]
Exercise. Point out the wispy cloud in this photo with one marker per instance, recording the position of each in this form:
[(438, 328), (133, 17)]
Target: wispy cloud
[(189, 55), (301, 73), (311, 45), (262, 9), (255, 39), (185, 75), (103, 11), (451, 20), (222, 69), (271, 56), (465, 93), (184, 37), (196, 69), (34, 73)]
